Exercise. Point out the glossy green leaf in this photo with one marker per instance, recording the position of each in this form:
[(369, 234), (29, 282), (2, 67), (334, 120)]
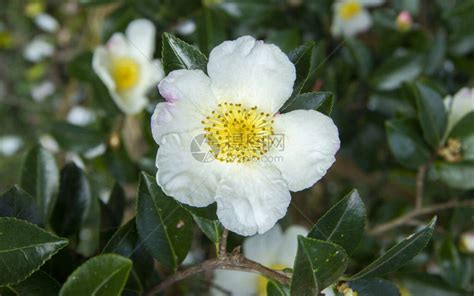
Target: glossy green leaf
[(432, 285), (24, 247), (177, 54), (126, 242), (76, 138), (405, 142), (320, 101), (74, 200), (343, 224), (102, 275), (212, 229), (38, 284), (458, 175), (19, 204), (277, 289), (317, 265), (396, 70), (374, 287), (111, 213), (398, 255), (164, 226), (40, 178), (431, 112), (464, 132), (301, 58)]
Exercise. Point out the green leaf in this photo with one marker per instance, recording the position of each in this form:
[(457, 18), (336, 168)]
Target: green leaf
[(374, 287), (361, 56), (80, 67), (396, 70), (317, 265), (432, 285), (164, 226), (111, 213), (24, 247), (212, 229), (398, 255), (38, 284), (102, 275), (74, 200), (177, 54), (343, 224), (210, 28), (458, 175), (19, 204), (277, 289), (464, 132), (126, 242), (40, 178), (431, 112), (76, 138), (301, 58), (320, 101), (455, 270), (405, 142)]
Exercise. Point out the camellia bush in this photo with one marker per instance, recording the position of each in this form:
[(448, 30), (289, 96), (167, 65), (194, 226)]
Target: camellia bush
[(237, 147)]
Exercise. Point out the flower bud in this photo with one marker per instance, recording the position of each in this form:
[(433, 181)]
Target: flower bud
[(404, 21), (467, 242)]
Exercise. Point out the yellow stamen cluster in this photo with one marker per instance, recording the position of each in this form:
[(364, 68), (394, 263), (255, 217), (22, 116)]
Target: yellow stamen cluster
[(238, 134), (125, 72), (349, 9), (452, 152)]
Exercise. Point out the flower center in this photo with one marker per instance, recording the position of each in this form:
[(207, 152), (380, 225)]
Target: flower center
[(263, 281), (238, 134), (125, 72), (349, 9)]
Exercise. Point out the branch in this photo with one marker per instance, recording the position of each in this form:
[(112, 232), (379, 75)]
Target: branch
[(235, 261), (223, 243), (419, 212)]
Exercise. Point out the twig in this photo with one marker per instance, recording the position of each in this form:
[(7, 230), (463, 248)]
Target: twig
[(418, 212), (234, 261), (420, 178), (223, 244)]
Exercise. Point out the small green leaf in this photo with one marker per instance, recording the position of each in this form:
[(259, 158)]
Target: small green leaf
[(464, 132), (40, 178), (343, 224), (406, 143), (74, 199), (163, 225), (455, 270), (76, 138), (396, 70), (458, 175), (374, 287), (19, 204), (24, 247), (38, 284), (277, 289), (398, 255), (102, 275), (301, 58), (431, 112), (177, 54), (317, 265), (212, 229), (428, 284), (320, 101)]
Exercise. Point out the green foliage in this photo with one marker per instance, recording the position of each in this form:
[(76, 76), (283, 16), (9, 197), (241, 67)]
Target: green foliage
[(177, 54)]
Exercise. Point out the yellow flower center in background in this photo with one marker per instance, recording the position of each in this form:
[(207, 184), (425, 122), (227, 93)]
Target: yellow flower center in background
[(263, 281), (125, 72), (238, 134), (349, 9)]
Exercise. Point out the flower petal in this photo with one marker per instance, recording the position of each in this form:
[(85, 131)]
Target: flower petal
[(251, 198), (117, 45), (289, 245), (311, 141), (459, 106), (130, 102), (360, 23), (264, 248), (369, 3), (189, 100), (184, 172), (155, 72), (239, 283), (101, 64), (252, 73), (141, 35)]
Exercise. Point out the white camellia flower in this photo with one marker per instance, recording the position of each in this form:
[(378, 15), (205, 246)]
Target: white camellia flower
[(126, 66), (274, 249), (257, 154), (351, 16), (459, 106)]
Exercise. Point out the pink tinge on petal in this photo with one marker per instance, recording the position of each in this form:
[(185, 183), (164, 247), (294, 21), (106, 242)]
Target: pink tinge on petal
[(167, 91)]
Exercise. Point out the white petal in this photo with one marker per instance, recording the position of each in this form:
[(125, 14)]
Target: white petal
[(289, 245), (101, 64), (46, 22), (358, 24), (189, 100), (155, 72), (141, 34), (311, 141), (130, 102), (264, 248), (118, 45), (252, 73), (251, 198), (184, 173), (239, 283), (459, 106), (369, 3)]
